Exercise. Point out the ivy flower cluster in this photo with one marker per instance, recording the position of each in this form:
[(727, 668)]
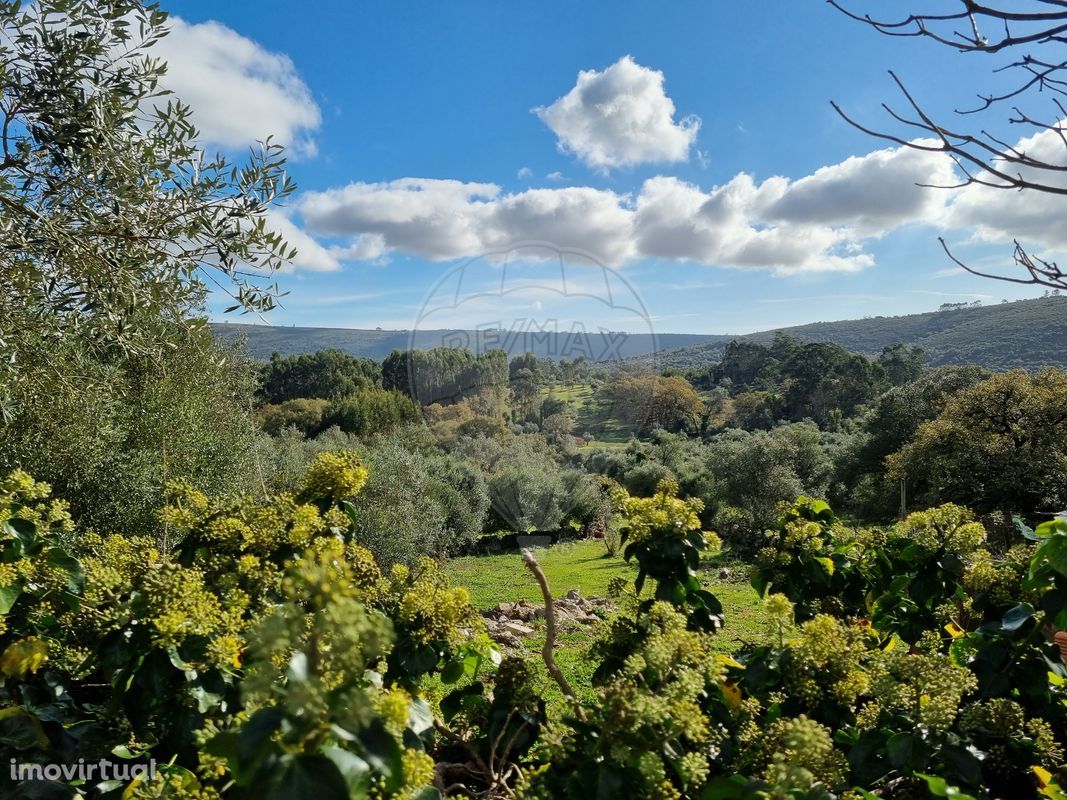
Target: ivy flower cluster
[(662, 514), (948, 527), (927, 688), (650, 711)]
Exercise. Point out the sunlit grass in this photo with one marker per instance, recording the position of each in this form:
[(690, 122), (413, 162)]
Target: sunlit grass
[(586, 567)]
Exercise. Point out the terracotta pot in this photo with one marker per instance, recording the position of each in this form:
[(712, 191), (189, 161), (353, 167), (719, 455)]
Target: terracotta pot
[(1061, 642)]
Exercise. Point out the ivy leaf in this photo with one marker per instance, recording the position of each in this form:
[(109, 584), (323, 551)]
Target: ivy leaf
[(23, 531), (905, 750), (21, 730), (1054, 551), (354, 770), (382, 752), (939, 787), (1017, 616), (310, 775), (420, 716), (8, 596), (452, 672)]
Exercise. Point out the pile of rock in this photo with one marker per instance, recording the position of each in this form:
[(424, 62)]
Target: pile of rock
[(509, 622)]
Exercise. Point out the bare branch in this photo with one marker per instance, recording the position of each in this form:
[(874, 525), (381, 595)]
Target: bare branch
[(985, 158), (550, 624)]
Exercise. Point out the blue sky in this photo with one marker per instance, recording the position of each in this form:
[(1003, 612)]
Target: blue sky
[(370, 94)]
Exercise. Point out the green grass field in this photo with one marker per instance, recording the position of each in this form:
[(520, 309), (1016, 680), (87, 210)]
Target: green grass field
[(585, 566), (592, 416)]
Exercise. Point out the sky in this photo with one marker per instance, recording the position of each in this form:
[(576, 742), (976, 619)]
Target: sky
[(629, 166)]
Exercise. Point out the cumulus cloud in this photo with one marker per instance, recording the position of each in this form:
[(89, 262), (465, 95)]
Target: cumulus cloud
[(869, 193), (996, 215), (239, 91), (310, 254), (817, 223), (620, 117)]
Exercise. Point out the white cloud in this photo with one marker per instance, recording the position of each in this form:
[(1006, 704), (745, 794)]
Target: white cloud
[(239, 91), (435, 219), (620, 117), (948, 272), (310, 254), (816, 223), (870, 193), (523, 173), (998, 215)]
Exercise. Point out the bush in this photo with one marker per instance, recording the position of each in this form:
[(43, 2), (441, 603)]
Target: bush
[(303, 414), (266, 654), (110, 442), (268, 649)]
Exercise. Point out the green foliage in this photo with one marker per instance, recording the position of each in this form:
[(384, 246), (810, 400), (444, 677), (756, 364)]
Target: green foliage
[(444, 374), (662, 533), (113, 218), (807, 560), (645, 401), (370, 411), (1000, 445), (109, 445), (997, 337), (303, 415), (948, 653), (322, 375), (754, 473), (267, 655)]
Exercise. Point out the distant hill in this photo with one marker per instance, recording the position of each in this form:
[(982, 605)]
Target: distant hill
[(262, 340), (1025, 333)]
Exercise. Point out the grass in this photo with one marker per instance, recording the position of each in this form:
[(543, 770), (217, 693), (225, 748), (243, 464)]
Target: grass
[(592, 415), (503, 578), (585, 566)]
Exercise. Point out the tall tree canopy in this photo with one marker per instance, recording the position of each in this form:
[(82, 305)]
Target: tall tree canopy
[(114, 220), (999, 445)]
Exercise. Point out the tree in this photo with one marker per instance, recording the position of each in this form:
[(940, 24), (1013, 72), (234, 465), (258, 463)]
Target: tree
[(822, 379), (114, 221), (304, 414), (370, 411), (901, 363), (324, 374), (134, 425), (647, 401), (1000, 445), (525, 380), (897, 414), (1033, 34), (742, 362)]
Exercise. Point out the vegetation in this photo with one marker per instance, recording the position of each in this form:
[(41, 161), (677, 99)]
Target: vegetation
[(996, 336), (253, 575)]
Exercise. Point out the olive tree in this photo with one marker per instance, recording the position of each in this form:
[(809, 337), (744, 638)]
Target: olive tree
[(114, 220)]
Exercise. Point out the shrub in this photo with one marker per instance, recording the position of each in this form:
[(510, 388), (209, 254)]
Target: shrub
[(267, 653)]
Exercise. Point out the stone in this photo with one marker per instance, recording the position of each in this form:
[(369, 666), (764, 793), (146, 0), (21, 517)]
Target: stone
[(517, 628)]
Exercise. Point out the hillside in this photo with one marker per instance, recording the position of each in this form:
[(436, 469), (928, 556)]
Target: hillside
[(1026, 333), (262, 340)]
